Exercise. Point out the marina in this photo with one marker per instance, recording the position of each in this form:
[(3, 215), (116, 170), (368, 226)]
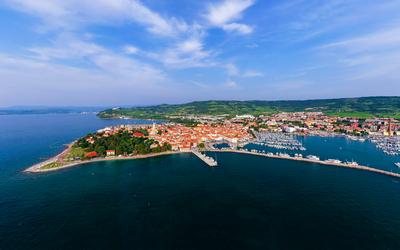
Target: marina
[(278, 141), (389, 145)]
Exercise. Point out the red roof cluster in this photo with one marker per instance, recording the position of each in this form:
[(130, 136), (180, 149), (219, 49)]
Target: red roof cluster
[(182, 137)]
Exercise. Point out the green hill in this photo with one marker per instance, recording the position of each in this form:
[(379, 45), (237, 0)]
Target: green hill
[(351, 107)]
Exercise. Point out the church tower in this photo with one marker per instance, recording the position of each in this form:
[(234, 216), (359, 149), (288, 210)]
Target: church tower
[(153, 130)]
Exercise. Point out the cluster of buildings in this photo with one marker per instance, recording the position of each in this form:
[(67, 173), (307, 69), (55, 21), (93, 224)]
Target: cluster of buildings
[(183, 138), (317, 122), (237, 130)]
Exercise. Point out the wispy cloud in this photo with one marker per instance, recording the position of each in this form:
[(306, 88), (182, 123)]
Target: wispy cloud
[(387, 38), (238, 27), (233, 70), (225, 13), (366, 57), (310, 20), (306, 46), (252, 73), (130, 49), (185, 54), (184, 51), (113, 82), (73, 14), (231, 84), (70, 47)]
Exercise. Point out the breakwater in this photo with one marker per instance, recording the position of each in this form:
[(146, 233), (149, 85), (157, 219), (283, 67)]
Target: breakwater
[(330, 163), (208, 160)]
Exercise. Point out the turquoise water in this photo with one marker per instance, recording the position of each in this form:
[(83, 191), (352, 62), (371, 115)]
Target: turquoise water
[(176, 202)]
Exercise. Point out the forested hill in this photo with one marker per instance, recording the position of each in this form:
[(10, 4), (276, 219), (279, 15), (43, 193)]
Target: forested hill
[(354, 107)]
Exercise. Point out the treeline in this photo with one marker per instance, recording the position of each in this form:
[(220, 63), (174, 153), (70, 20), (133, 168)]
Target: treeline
[(122, 142), (362, 107)]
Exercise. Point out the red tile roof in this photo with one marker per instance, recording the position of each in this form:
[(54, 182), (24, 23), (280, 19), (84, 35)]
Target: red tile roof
[(91, 154), (138, 134)]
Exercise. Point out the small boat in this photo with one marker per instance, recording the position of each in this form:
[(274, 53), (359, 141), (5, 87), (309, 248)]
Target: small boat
[(397, 164)]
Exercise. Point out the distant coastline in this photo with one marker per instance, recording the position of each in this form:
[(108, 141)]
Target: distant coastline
[(360, 107)]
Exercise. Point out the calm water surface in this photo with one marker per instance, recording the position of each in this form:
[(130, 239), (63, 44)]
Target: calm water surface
[(176, 202), (341, 148)]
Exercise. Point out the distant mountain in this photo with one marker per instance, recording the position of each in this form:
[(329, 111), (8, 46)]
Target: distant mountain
[(27, 110), (352, 107)]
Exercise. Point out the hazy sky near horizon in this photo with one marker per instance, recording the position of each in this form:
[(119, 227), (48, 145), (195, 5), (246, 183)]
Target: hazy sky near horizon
[(121, 52)]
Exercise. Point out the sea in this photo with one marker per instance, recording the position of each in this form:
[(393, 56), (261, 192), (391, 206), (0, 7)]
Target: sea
[(177, 202)]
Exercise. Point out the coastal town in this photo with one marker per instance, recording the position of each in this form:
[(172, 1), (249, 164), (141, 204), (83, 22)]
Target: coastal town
[(205, 133), (301, 123)]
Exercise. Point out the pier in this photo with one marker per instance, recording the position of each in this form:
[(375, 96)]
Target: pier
[(208, 160), (330, 163)]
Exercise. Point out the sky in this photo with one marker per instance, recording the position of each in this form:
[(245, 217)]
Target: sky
[(131, 52)]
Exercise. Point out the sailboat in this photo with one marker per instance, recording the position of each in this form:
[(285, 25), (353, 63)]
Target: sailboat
[(397, 164)]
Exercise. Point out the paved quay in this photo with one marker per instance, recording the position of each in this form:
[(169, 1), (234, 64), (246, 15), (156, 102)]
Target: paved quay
[(344, 165)]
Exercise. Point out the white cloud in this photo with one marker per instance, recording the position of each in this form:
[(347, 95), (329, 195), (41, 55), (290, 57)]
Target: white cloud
[(238, 27), (185, 50), (129, 49), (232, 70), (190, 45), (186, 54), (29, 81), (156, 24), (73, 14), (225, 13), (69, 47)]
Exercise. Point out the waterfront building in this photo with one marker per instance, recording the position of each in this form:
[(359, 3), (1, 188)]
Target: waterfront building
[(110, 152)]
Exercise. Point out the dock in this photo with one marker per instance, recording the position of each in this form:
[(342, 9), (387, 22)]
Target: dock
[(208, 160), (330, 163)]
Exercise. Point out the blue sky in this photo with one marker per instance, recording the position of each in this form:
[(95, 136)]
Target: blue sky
[(127, 52)]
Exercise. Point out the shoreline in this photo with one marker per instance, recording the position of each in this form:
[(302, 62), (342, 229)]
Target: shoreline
[(37, 168)]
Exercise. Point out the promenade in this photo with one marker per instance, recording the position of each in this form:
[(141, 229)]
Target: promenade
[(38, 168)]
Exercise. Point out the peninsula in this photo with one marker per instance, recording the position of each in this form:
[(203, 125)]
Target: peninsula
[(206, 132)]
